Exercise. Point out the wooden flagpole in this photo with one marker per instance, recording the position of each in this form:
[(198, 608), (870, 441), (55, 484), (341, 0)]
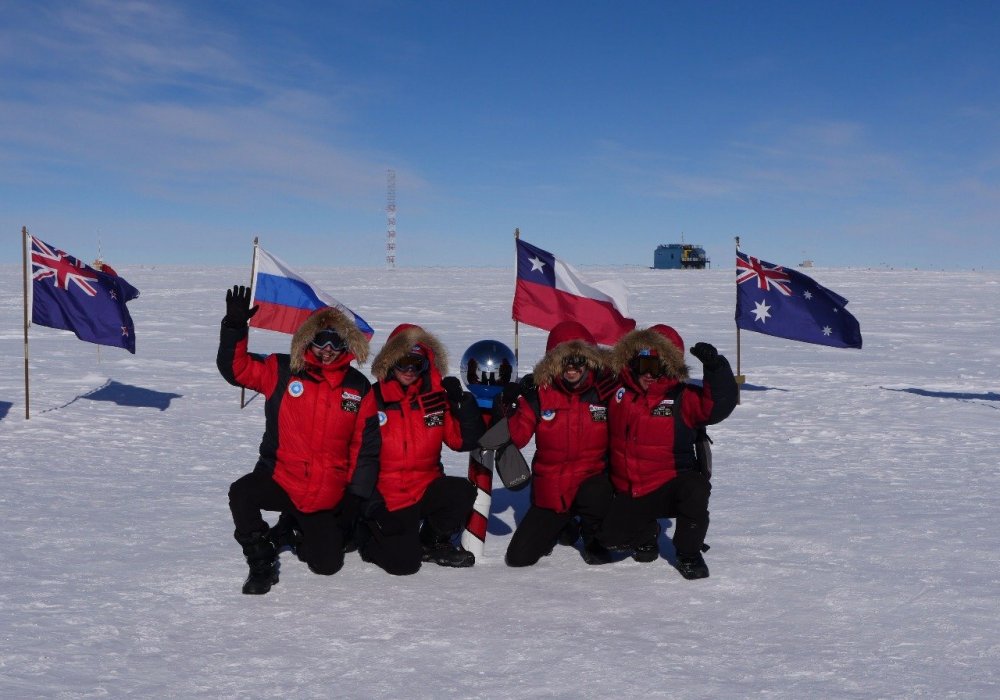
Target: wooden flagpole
[(253, 269), (24, 274), (517, 236)]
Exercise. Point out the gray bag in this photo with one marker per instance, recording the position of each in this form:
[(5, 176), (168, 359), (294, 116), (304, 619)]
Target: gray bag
[(498, 454)]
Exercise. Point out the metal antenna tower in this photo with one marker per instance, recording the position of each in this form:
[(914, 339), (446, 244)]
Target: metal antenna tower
[(390, 213)]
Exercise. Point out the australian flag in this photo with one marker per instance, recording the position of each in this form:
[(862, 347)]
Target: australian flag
[(70, 295), (777, 301)]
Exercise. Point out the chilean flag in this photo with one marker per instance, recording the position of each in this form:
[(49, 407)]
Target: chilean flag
[(549, 291), (286, 299)]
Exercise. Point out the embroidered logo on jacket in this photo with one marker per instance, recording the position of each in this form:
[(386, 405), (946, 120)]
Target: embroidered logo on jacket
[(295, 388), (664, 408), (548, 414), (383, 418), (350, 401), (619, 394), (598, 414)]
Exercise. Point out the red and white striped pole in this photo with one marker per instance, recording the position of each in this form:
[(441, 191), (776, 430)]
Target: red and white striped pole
[(474, 535)]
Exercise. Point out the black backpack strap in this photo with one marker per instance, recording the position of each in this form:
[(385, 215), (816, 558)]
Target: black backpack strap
[(379, 401), (531, 396)]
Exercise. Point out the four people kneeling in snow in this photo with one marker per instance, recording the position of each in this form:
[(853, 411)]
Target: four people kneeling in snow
[(354, 466)]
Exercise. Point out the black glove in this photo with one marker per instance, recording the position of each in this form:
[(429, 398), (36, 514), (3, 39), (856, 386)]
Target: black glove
[(388, 524), (527, 383), (510, 394), (238, 311), (708, 355), (453, 387)]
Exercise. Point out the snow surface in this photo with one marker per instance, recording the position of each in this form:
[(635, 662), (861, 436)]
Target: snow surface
[(855, 539)]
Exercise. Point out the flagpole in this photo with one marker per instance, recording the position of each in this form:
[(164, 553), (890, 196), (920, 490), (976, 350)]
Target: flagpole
[(24, 275), (517, 236), (740, 379), (253, 266)]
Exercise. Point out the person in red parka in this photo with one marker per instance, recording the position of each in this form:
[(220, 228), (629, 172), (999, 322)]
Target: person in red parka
[(568, 417), (416, 508), (320, 450), (653, 419)]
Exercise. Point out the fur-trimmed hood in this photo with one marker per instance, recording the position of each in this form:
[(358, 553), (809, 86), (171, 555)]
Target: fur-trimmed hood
[(327, 317), (661, 339), (398, 345), (567, 339)]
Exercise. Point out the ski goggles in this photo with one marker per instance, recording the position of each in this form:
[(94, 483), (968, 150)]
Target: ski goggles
[(416, 364), (328, 338), (647, 364), (577, 362)]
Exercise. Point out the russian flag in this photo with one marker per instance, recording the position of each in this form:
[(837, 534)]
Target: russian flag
[(286, 298), (549, 291)]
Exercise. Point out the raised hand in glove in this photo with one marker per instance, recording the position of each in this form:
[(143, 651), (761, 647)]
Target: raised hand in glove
[(707, 353), (238, 311), (453, 387), (387, 523), (527, 383), (510, 394)]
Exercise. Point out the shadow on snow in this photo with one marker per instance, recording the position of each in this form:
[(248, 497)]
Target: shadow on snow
[(126, 395), (959, 395), (758, 387)]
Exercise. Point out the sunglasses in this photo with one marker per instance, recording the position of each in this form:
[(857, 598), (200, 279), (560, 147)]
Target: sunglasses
[(411, 363), (577, 362), (328, 338), (647, 364)]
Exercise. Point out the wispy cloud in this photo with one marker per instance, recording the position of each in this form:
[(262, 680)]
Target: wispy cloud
[(143, 92)]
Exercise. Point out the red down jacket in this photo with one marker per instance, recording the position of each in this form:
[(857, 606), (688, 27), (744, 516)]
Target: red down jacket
[(653, 431), (321, 429), (415, 421), (569, 423)]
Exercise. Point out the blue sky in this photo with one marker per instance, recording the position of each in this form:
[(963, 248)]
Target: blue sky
[(850, 133)]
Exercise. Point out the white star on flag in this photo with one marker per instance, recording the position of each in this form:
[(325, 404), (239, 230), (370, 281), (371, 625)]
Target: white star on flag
[(762, 312), (536, 264)]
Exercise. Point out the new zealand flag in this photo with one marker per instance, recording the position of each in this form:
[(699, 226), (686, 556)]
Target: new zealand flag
[(774, 300), (72, 296)]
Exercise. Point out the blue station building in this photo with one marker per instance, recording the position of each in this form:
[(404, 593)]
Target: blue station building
[(680, 256)]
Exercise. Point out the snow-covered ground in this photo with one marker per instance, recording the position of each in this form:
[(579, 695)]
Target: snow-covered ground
[(855, 538)]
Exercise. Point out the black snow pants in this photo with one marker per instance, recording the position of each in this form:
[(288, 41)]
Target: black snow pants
[(445, 506), (632, 521), (537, 532), (322, 531)]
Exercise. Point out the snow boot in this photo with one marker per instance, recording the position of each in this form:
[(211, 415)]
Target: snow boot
[(286, 534), (648, 550), (594, 553), (692, 566), (262, 556), (570, 533), (439, 549)]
